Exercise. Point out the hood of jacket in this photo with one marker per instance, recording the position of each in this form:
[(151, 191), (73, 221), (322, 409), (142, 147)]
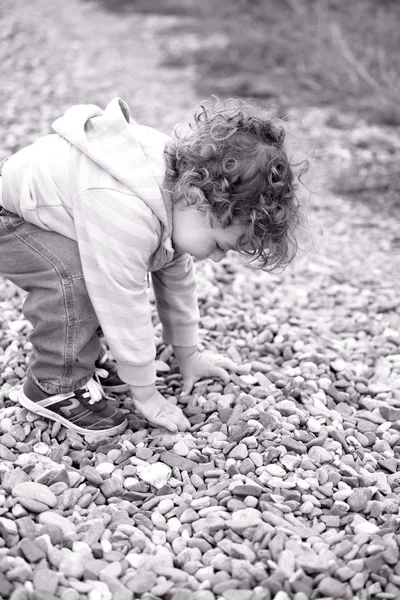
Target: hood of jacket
[(132, 153)]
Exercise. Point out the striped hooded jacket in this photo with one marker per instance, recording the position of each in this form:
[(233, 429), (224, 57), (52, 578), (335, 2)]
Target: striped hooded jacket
[(98, 180)]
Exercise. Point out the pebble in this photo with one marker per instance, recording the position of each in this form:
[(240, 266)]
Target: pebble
[(157, 474), (239, 452), (51, 518), (45, 581), (181, 449), (165, 505), (32, 491)]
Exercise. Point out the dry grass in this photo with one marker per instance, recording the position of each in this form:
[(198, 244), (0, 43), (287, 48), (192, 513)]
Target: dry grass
[(296, 52)]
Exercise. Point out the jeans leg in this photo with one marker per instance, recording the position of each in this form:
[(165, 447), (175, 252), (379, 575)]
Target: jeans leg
[(47, 265)]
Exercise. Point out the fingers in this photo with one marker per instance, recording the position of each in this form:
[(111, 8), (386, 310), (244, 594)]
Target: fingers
[(222, 361), (172, 418), (188, 384), (167, 423), (219, 372)]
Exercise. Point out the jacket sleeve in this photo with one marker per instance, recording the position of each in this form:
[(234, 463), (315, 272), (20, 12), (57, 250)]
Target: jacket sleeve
[(116, 234), (175, 293)]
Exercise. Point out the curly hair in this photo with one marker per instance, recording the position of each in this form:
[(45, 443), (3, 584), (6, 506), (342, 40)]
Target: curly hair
[(233, 162)]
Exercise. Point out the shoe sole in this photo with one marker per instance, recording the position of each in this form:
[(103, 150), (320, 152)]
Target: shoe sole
[(48, 414)]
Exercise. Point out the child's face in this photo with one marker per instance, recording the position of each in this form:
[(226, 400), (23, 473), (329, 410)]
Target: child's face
[(192, 233)]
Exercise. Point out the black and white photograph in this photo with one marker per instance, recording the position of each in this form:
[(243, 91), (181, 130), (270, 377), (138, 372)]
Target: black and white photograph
[(199, 300)]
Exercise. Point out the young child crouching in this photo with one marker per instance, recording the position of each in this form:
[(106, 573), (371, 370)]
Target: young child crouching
[(87, 212)]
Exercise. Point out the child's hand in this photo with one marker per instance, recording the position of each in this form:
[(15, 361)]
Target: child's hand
[(157, 410), (196, 365)]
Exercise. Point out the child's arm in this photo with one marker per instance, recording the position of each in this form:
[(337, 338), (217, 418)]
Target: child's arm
[(176, 299), (175, 292)]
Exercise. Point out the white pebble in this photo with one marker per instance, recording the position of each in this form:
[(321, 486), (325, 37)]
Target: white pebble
[(5, 425), (275, 470), (251, 501), (158, 537), (105, 468), (313, 425), (366, 527), (256, 458), (165, 506), (41, 448), (181, 449), (106, 545), (130, 482), (174, 524), (158, 519), (307, 508)]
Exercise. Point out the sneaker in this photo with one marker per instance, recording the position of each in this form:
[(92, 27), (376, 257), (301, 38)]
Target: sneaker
[(107, 375), (85, 410)]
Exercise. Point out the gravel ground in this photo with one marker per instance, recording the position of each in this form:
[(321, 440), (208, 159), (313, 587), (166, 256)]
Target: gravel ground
[(286, 487)]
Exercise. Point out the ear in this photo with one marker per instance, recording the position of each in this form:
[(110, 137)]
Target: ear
[(196, 197)]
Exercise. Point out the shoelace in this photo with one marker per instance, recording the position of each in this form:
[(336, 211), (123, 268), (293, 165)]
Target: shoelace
[(94, 391)]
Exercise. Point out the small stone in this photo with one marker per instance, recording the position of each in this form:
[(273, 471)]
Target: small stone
[(358, 500), (203, 595), (6, 454), (8, 441), (72, 565), (41, 448), (293, 445), (248, 379), (234, 594), (244, 518), (5, 424), (165, 505), (70, 594), (181, 462), (189, 516), (45, 580), (141, 582), (52, 518), (275, 470), (286, 407), (338, 365), (320, 455), (247, 490), (105, 468), (17, 431), (162, 367), (366, 527), (5, 586), (329, 586), (156, 474), (31, 550), (93, 568), (111, 487), (91, 474), (118, 591), (13, 478), (144, 453), (239, 452), (31, 490), (181, 449)]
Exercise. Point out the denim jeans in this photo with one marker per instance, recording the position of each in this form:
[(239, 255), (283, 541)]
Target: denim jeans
[(65, 342)]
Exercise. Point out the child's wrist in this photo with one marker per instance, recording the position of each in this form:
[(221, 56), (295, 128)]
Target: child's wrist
[(184, 351), (143, 393)]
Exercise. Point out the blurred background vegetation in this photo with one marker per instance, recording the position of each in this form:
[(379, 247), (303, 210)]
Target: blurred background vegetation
[(341, 53)]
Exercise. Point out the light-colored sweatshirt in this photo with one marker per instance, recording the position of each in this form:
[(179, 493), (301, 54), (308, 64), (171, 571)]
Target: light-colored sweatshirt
[(98, 180)]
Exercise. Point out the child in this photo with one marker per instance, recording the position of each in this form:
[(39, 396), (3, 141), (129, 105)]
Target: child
[(86, 213)]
